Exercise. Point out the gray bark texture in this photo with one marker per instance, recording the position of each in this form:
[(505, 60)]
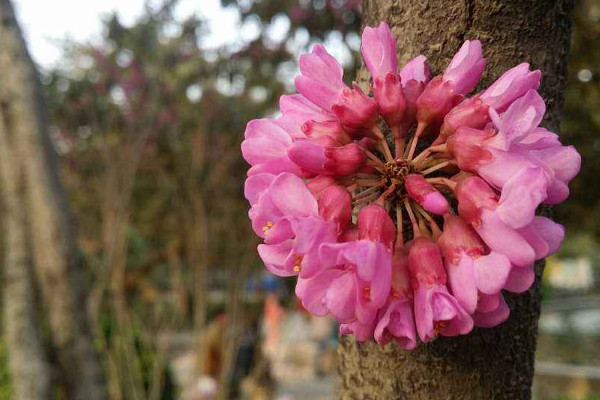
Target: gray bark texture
[(488, 363), (28, 366), (39, 211)]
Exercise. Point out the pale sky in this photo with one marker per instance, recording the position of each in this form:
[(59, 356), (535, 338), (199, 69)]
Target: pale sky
[(46, 22)]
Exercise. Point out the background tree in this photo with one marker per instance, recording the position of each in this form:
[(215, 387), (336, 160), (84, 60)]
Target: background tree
[(39, 226), (148, 124)]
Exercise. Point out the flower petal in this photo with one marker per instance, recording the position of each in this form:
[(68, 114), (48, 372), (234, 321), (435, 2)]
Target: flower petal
[(491, 272)]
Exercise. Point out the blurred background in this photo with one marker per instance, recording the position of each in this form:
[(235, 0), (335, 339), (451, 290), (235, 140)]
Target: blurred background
[(148, 102)]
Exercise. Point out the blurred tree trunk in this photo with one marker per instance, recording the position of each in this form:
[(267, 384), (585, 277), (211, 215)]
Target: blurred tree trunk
[(488, 363), (50, 239), (29, 370)]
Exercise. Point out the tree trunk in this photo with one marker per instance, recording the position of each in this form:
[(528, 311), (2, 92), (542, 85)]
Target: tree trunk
[(488, 363), (30, 373), (51, 238)]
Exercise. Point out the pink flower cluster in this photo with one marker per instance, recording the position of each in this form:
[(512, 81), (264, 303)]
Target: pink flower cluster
[(420, 241)]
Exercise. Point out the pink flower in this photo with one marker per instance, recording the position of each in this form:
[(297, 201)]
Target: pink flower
[(388, 93), (321, 83), (479, 206), (492, 310), (471, 272), (297, 110), (356, 277), (521, 118), (379, 50), (256, 185), (362, 332), (437, 99), (286, 216), (467, 146), (321, 79), (318, 184), (444, 92), (374, 223), (416, 70), (356, 111), (355, 216), (560, 163), (513, 84), (519, 146), (466, 67), (545, 237), (413, 76), (436, 310), (355, 281), (473, 113), (396, 321), (265, 148), (326, 133), (334, 206), (316, 159)]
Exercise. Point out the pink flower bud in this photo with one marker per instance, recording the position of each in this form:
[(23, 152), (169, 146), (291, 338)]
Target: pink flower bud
[(387, 92), (425, 194), (379, 50), (471, 113), (401, 287), (321, 79), (355, 110), (318, 184), (344, 160), (318, 159), (375, 224), (425, 263), (413, 76), (474, 194), (416, 70), (467, 147), (411, 90), (436, 101), (335, 205), (466, 67), (330, 129), (459, 237)]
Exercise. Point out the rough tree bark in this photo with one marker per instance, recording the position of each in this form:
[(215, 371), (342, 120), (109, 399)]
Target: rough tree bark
[(488, 363), (28, 366), (51, 241)]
